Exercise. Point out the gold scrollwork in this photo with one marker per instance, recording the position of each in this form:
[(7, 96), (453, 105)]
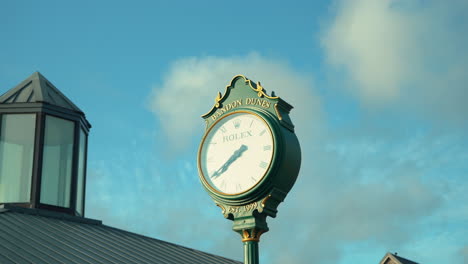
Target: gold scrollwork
[(278, 112), (251, 234), (265, 201), (222, 208), (261, 92)]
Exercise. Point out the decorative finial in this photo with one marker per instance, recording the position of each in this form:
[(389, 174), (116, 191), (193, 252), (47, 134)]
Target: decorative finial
[(259, 89), (217, 99)]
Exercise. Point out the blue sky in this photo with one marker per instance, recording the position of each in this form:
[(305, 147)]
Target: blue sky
[(380, 96)]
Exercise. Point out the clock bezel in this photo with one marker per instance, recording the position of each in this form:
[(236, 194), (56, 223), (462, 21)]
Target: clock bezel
[(265, 182)]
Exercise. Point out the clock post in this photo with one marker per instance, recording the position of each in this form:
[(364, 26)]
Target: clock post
[(249, 158), (251, 228)]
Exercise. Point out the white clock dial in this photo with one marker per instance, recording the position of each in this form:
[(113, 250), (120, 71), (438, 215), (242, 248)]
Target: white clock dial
[(236, 153)]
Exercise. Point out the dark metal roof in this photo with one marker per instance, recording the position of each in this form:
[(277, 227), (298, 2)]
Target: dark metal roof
[(390, 258), (38, 236), (36, 88), (403, 260)]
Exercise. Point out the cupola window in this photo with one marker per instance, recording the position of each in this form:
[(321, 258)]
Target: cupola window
[(16, 157), (57, 161)]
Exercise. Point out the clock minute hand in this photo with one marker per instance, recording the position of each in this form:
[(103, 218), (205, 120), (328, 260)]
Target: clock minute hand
[(231, 159), (236, 155)]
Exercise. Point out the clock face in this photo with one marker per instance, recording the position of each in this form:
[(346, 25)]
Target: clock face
[(236, 153)]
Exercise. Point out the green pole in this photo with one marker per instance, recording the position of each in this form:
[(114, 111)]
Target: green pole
[(251, 252), (250, 237)]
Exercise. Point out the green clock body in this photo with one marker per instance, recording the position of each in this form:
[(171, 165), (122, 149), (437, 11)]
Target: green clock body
[(248, 151)]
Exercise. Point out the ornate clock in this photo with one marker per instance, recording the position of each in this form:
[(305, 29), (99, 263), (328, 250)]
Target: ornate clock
[(249, 158)]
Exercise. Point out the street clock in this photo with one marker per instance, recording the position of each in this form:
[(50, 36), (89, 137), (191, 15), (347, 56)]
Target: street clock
[(249, 158)]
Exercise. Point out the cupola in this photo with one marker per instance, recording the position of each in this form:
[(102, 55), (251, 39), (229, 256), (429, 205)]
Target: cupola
[(43, 148)]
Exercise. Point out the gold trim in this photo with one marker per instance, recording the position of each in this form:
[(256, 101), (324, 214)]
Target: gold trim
[(222, 208), (251, 235), (265, 200), (260, 92), (200, 171), (217, 99), (245, 234), (278, 112)]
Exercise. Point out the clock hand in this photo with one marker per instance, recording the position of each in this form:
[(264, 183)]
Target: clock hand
[(231, 159), (236, 155)]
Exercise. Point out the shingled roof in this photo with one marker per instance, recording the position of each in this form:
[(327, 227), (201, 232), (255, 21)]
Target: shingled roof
[(39, 236)]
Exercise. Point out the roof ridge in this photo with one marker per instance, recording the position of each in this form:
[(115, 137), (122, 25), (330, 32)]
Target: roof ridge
[(405, 260)]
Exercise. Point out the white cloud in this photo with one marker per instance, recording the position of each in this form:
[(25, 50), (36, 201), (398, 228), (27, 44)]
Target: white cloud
[(191, 84), (365, 38), (412, 52)]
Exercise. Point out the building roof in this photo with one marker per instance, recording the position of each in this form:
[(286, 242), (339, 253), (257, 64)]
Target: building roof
[(390, 258), (37, 89), (39, 236)]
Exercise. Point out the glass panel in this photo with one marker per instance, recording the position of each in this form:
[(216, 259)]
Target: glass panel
[(57, 162), (81, 173), (16, 157)]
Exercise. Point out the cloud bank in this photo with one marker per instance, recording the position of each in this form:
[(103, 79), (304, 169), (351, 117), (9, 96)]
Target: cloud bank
[(410, 53)]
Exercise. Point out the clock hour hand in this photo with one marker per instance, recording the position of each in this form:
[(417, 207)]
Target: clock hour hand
[(231, 159)]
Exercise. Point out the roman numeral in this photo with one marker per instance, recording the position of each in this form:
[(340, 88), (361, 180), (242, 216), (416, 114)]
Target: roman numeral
[(251, 124), (253, 179), (223, 129), (263, 132), (223, 184), (263, 165), (267, 147), (238, 187), (237, 123)]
